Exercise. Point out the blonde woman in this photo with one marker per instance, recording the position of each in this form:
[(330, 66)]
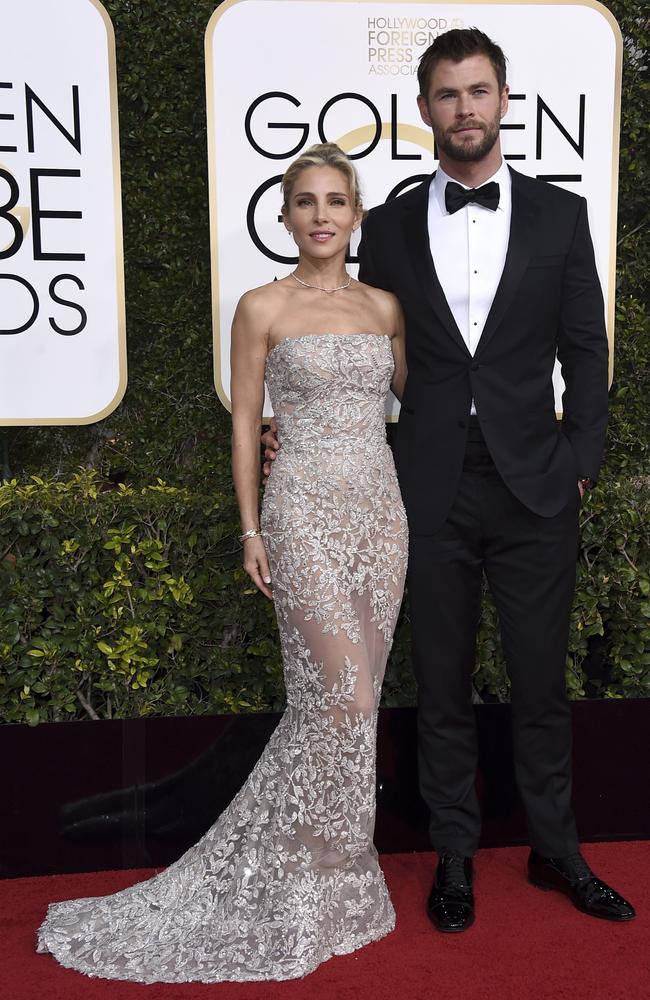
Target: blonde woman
[(288, 875)]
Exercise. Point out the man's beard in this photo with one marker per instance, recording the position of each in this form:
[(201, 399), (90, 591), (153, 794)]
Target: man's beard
[(468, 152)]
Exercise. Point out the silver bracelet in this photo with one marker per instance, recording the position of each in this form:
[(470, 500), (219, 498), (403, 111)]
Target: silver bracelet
[(251, 533)]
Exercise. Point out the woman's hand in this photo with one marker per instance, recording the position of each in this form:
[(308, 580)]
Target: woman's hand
[(256, 564)]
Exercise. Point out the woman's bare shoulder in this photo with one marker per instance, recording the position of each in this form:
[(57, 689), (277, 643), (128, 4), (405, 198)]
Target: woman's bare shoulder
[(262, 301), (258, 297), (378, 295), (384, 302)]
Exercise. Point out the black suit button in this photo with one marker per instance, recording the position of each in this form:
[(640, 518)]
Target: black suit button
[(462, 423), (475, 367)]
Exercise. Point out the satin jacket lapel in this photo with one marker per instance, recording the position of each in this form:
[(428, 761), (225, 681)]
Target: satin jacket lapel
[(417, 240), (524, 214)]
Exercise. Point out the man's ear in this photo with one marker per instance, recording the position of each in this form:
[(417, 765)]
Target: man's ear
[(424, 111), (504, 100)]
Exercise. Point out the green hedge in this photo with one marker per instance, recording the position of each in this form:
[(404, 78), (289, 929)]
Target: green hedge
[(127, 602), (131, 601), (174, 616)]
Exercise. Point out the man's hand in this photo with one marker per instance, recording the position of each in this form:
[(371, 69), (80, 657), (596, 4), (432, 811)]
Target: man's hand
[(271, 447), (583, 485)]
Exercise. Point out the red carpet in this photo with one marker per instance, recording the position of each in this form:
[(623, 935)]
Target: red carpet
[(541, 949)]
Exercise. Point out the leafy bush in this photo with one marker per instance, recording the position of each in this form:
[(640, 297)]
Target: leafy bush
[(127, 602), (132, 602)]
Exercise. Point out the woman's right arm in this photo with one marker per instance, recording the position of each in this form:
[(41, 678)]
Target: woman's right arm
[(247, 360)]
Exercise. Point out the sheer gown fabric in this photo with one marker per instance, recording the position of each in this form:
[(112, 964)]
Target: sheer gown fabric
[(288, 875)]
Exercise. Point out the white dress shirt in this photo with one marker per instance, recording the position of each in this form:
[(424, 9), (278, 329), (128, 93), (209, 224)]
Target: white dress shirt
[(469, 251)]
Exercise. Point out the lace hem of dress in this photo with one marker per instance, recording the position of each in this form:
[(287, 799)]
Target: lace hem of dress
[(298, 970)]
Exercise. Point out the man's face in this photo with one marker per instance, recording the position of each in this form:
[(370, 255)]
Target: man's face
[(464, 108)]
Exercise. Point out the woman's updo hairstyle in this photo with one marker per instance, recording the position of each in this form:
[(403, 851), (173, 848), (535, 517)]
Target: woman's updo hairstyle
[(323, 154)]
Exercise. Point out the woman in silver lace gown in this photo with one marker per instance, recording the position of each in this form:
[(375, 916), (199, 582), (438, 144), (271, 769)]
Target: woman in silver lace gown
[(288, 875)]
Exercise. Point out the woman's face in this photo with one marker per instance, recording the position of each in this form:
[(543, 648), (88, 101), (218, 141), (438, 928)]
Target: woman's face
[(320, 213)]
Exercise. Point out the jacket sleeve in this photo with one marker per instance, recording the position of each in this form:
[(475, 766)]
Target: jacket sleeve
[(583, 352), (369, 271)]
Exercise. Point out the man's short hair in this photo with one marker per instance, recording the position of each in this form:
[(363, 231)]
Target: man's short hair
[(456, 45)]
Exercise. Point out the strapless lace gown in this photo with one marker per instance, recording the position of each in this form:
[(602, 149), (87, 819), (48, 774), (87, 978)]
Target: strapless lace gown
[(288, 875)]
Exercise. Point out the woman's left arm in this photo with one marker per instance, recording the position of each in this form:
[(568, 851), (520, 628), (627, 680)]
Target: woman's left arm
[(399, 351)]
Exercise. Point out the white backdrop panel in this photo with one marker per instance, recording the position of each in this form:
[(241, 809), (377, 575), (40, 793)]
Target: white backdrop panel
[(57, 76), (296, 57)]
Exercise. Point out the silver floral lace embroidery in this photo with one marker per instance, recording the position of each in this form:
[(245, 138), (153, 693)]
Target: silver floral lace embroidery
[(288, 875)]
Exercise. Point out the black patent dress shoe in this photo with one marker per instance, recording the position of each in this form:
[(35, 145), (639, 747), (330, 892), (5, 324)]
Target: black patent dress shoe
[(451, 900), (573, 877)]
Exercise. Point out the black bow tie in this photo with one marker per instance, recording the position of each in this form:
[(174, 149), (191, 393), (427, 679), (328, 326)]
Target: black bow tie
[(457, 197)]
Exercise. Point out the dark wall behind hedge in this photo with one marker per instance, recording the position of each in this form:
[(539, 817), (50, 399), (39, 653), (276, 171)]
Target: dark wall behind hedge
[(172, 427)]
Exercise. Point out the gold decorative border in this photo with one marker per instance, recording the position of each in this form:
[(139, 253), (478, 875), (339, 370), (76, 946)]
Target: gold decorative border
[(212, 181), (119, 252)]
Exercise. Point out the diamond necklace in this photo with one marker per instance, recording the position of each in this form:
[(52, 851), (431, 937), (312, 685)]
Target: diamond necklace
[(339, 288)]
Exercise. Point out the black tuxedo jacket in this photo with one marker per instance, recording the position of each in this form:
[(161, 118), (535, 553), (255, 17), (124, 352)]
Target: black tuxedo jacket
[(548, 301)]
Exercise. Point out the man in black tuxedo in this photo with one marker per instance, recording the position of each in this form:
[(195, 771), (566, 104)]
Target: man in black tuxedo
[(495, 273)]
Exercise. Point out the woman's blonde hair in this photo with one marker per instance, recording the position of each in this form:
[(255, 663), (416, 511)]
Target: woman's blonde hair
[(323, 154)]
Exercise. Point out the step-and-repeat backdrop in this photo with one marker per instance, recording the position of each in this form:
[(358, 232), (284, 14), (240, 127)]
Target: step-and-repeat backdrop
[(62, 327), (283, 74)]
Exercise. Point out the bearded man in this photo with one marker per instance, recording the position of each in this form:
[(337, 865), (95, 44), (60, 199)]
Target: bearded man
[(495, 273)]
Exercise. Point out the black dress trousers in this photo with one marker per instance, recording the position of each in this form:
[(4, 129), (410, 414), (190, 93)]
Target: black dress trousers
[(530, 564)]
